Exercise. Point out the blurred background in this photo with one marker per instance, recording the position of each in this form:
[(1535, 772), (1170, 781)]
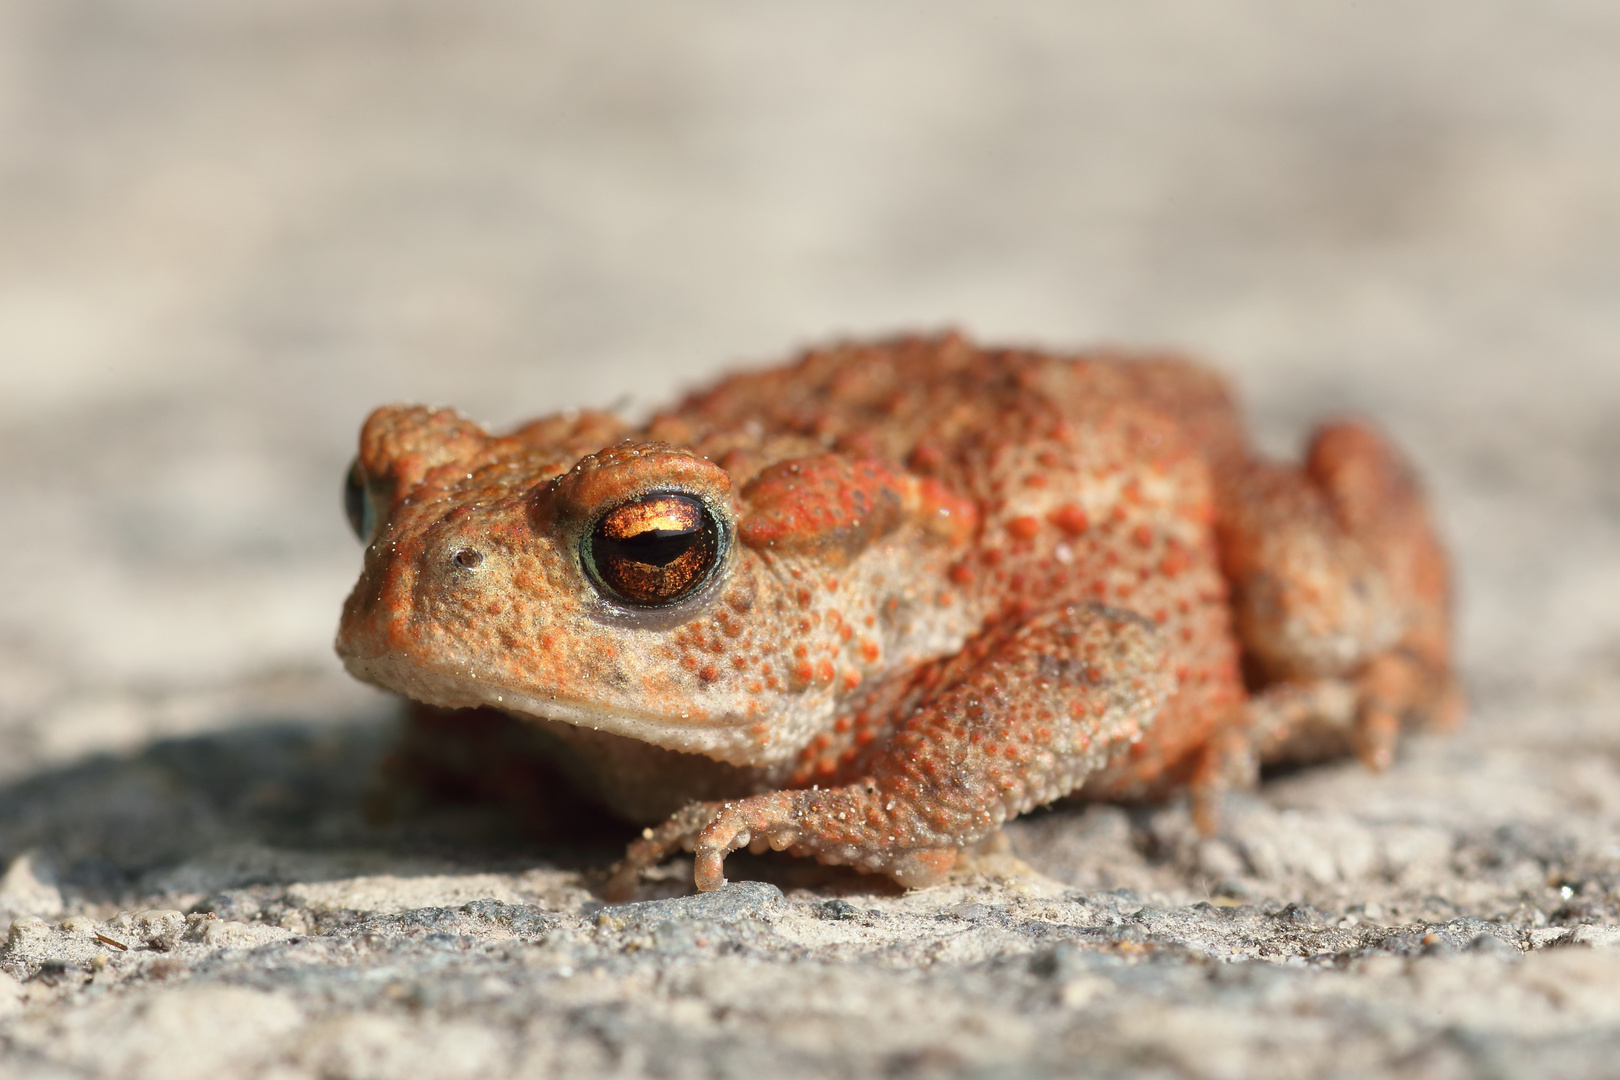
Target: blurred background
[(227, 231)]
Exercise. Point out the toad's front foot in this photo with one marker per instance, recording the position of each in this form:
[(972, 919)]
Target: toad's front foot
[(855, 826), (656, 844), (758, 822)]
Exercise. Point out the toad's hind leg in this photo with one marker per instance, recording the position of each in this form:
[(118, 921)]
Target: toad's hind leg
[(1020, 717), (1340, 598)]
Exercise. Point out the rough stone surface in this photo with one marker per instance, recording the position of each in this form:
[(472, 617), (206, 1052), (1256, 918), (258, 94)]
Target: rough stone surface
[(230, 230)]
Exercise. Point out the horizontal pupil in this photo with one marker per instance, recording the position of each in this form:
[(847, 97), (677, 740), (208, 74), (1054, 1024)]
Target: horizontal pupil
[(653, 550), (655, 547)]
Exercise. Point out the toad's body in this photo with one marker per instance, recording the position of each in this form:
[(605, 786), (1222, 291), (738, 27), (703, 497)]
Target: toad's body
[(884, 598)]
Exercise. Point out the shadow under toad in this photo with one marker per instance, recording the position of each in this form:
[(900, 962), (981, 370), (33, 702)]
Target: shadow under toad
[(273, 802), (329, 797)]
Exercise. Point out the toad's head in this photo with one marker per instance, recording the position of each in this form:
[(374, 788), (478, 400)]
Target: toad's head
[(563, 573)]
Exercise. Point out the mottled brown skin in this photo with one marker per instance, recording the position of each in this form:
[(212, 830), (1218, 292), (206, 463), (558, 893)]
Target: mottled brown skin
[(945, 585)]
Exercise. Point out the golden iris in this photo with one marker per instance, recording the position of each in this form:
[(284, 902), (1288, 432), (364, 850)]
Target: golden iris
[(655, 549)]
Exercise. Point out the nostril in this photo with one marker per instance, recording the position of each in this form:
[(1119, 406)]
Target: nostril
[(468, 558)]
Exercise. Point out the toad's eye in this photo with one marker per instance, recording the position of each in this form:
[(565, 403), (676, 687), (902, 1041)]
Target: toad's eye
[(653, 550), (357, 504)]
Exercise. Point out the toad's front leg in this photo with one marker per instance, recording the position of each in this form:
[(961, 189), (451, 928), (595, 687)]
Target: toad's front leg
[(1021, 717)]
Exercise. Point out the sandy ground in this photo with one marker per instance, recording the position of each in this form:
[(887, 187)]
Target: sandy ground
[(227, 231)]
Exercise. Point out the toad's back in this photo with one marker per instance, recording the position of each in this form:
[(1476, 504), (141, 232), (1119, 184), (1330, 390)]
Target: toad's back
[(943, 406)]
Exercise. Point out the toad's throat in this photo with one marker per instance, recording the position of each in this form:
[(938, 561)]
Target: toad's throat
[(723, 737)]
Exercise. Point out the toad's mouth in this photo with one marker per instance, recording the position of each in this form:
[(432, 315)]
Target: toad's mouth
[(727, 738)]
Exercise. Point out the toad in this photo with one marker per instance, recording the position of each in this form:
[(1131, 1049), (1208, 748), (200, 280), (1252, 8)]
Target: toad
[(869, 605)]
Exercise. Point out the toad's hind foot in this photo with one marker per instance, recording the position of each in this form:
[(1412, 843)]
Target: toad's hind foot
[(1307, 721), (1341, 600)]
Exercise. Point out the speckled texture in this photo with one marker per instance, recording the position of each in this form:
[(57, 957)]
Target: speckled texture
[(924, 585), (230, 230)]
